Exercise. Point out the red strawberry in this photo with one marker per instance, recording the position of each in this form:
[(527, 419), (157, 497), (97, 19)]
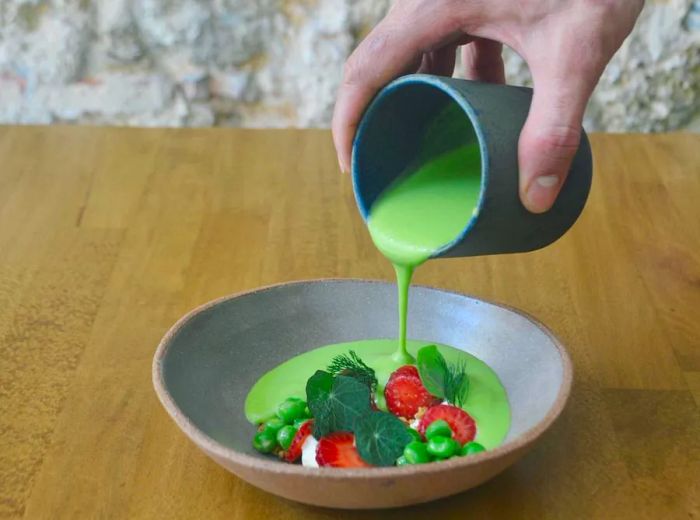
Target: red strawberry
[(406, 370), (338, 451), (461, 423), (405, 393), (294, 451)]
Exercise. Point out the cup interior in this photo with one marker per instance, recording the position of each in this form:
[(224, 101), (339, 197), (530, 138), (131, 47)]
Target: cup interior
[(410, 123)]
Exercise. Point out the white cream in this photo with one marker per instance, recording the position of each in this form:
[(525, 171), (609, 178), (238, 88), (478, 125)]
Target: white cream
[(308, 452)]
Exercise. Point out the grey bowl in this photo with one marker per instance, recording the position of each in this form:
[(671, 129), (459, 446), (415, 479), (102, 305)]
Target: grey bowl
[(205, 365)]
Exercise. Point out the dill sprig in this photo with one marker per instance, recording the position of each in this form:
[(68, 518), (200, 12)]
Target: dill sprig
[(351, 365), (456, 382)]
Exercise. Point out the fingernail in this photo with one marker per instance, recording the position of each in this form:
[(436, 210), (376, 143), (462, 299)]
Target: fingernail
[(340, 165), (542, 192)]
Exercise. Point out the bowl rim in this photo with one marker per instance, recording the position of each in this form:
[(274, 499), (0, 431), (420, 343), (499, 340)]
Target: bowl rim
[(213, 447)]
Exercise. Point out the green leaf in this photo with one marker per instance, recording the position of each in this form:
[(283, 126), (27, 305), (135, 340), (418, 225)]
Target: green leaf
[(447, 381), (349, 399), (335, 402), (380, 437), (432, 369), (318, 387)]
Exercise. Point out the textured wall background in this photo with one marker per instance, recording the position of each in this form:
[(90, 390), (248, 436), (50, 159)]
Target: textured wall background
[(276, 63)]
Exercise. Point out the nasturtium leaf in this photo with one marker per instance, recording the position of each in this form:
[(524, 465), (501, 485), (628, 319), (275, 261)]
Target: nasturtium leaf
[(323, 420), (318, 387), (380, 437), (335, 402), (349, 398), (432, 369)]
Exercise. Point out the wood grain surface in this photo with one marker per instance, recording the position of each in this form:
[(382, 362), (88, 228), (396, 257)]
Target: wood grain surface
[(107, 236)]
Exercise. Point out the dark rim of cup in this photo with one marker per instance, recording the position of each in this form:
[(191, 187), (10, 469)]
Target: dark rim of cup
[(456, 97)]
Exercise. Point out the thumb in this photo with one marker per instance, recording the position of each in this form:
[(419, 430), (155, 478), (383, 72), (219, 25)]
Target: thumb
[(551, 135)]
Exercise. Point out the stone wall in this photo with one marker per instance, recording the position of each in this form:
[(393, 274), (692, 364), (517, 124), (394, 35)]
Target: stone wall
[(276, 63)]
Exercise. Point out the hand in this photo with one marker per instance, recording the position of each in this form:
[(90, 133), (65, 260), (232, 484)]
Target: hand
[(566, 43)]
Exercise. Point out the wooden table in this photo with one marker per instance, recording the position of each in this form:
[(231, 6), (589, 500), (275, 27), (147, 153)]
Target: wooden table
[(107, 236)]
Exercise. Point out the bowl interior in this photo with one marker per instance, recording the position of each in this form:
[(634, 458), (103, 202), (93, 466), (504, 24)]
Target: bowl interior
[(216, 355)]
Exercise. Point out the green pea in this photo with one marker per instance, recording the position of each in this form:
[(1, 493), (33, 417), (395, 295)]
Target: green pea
[(264, 442), (273, 425), (401, 461), (298, 422), (438, 428), (416, 453), (285, 436), (472, 448), (416, 436), (442, 447), (291, 409)]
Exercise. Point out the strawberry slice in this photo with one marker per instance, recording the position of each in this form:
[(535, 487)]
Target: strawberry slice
[(461, 423), (407, 370), (338, 451), (294, 451), (405, 393)]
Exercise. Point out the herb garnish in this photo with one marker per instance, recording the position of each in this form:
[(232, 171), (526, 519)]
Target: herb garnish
[(351, 365), (442, 379), (335, 402), (340, 400), (380, 437)]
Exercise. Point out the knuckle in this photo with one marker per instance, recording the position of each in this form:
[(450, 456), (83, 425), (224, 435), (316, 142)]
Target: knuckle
[(603, 4), (559, 141), (443, 13), (359, 67), (351, 69)]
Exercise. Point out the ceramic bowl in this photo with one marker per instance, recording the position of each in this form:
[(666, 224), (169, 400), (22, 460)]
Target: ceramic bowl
[(206, 364)]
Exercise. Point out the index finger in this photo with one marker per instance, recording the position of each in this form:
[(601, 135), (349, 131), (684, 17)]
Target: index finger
[(393, 47)]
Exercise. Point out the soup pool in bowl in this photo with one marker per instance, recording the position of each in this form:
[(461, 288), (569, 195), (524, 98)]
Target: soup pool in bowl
[(206, 364)]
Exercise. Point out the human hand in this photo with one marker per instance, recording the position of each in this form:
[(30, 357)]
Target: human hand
[(566, 44)]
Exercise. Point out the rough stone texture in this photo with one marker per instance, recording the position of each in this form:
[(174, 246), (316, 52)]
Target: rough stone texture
[(277, 63)]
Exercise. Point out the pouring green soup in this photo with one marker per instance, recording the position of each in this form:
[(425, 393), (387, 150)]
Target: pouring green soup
[(422, 211)]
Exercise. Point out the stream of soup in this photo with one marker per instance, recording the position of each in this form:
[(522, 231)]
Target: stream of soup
[(424, 210)]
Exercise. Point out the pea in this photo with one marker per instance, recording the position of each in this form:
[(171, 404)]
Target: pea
[(416, 453), (298, 422), (290, 409), (472, 448), (442, 447), (264, 442), (438, 428), (416, 436), (273, 425), (285, 435), (402, 461)]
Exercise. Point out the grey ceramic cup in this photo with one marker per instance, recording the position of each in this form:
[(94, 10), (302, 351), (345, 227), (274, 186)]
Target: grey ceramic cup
[(418, 117)]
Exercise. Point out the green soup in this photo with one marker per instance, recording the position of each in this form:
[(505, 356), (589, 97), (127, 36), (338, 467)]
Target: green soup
[(486, 401), (423, 211)]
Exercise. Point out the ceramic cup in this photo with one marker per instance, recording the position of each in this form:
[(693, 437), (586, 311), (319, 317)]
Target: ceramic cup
[(418, 117)]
